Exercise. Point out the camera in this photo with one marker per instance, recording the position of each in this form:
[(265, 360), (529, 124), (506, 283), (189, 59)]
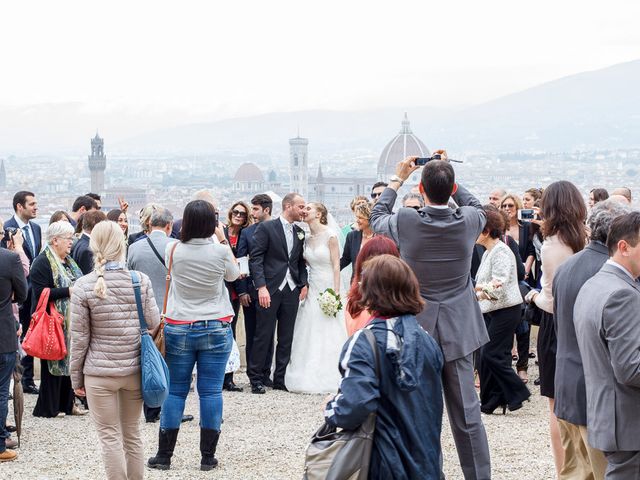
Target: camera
[(424, 160), (8, 233), (526, 214)]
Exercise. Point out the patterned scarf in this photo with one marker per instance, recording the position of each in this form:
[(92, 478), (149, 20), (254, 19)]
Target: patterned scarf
[(64, 274)]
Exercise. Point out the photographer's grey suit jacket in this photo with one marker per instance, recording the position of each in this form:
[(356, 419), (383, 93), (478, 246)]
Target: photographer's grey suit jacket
[(438, 244), (607, 321)]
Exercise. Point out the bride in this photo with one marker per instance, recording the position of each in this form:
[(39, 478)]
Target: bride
[(317, 338)]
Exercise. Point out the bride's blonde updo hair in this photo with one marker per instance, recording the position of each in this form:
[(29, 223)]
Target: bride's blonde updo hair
[(324, 214), (108, 245)]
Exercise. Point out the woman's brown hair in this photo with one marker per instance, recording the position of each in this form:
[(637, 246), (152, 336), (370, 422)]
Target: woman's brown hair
[(390, 288), (564, 213)]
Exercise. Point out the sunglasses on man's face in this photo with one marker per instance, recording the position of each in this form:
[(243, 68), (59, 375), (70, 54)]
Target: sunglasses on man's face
[(375, 195), (238, 213), (415, 207)]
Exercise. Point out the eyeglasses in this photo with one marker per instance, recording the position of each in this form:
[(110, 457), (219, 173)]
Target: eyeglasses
[(68, 239), (415, 207), (508, 205), (238, 213), (375, 195)]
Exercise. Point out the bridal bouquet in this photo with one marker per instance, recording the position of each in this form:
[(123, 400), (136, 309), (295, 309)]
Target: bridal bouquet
[(330, 302)]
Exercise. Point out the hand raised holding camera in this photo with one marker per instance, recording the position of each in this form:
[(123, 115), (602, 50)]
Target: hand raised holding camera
[(406, 167)]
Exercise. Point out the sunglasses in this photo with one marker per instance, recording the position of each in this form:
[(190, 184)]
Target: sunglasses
[(508, 205), (238, 213), (375, 195), (415, 207)]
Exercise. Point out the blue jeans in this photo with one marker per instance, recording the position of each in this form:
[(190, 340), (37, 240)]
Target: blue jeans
[(7, 365), (207, 344)]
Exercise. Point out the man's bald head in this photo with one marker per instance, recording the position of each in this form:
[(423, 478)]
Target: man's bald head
[(623, 191)]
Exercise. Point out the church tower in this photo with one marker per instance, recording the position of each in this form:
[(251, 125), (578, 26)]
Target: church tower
[(3, 175), (298, 165), (97, 164)]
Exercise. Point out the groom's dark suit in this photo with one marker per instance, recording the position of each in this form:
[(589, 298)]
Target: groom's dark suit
[(284, 273)]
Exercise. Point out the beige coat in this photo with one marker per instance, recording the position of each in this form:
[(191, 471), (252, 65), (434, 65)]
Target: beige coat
[(105, 333)]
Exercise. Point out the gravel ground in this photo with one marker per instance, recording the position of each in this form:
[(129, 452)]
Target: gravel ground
[(264, 437)]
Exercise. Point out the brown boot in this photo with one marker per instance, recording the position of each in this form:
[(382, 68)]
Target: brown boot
[(8, 455)]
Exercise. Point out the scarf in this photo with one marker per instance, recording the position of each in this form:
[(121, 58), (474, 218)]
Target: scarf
[(64, 274)]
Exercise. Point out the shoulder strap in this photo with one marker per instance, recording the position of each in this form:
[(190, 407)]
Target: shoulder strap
[(166, 290), (153, 247), (135, 279), (374, 346)]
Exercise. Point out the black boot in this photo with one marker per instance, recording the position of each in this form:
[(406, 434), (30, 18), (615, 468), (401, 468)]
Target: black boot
[(208, 443), (166, 443)]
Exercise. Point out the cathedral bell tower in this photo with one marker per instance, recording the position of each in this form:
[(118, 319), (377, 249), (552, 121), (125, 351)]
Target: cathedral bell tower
[(97, 164), (298, 166)]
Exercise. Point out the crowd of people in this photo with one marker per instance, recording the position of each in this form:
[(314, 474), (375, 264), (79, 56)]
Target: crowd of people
[(450, 288)]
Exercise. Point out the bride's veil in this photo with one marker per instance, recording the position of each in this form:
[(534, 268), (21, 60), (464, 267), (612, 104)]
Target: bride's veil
[(345, 275)]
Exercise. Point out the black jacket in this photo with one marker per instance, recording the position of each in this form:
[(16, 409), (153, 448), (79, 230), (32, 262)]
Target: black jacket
[(13, 288), (269, 257), (351, 249), (83, 255), (37, 235)]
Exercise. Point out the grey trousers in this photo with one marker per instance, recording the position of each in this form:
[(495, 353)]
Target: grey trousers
[(622, 465), (463, 408)]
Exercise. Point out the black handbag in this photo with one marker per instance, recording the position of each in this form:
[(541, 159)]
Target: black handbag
[(533, 314)]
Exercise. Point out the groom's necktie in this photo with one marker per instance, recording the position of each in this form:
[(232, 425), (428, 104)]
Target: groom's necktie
[(289, 237)]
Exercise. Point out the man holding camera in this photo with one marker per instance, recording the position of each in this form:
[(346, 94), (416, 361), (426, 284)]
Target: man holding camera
[(26, 207), (13, 288), (438, 243)]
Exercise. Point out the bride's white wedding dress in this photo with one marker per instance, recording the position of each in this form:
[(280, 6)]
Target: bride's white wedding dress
[(317, 338)]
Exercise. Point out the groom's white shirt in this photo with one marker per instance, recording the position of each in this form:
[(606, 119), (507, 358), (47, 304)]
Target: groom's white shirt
[(288, 234)]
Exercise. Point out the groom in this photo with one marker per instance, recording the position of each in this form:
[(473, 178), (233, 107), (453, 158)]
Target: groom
[(280, 275)]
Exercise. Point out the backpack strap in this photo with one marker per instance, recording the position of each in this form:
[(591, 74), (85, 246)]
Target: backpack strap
[(135, 279), (374, 346)]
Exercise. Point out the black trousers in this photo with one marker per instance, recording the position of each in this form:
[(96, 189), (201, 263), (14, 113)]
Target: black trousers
[(56, 394), (523, 340), (499, 383), (280, 315), (250, 331), (25, 320)]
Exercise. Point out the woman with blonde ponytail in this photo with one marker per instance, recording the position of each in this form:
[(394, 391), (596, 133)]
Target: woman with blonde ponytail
[(105, 350)]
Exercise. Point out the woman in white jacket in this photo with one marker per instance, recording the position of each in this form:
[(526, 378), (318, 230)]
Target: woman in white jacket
[(500, 301)]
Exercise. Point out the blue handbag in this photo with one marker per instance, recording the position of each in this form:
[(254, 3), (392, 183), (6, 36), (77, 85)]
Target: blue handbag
[(155, 373)]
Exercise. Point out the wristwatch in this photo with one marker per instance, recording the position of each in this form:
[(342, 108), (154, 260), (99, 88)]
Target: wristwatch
[(397, 179)]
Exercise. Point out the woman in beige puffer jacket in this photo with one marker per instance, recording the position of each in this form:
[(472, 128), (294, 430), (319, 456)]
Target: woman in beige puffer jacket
[(105, 350)]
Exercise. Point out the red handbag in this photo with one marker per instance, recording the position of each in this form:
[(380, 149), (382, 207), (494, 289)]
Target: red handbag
[(45, 337)]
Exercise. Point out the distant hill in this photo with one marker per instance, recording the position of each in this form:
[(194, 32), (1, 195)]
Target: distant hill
[(597, 109), (591, 110)]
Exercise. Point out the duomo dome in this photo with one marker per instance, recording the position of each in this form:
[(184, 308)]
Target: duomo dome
[(401, 146)]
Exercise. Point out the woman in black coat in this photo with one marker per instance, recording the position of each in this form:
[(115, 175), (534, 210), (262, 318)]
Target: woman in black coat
[(356, 239), (56, 270), (238, 218)]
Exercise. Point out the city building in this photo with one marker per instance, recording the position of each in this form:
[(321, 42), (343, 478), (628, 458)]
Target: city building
[(248, 179), (97, 164), (404, 144)]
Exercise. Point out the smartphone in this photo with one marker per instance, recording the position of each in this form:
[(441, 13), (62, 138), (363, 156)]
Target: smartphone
[(526, 214), (8, 233)]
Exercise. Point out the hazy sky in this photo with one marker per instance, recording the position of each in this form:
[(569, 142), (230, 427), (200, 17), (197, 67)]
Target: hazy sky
[(230, 58)]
